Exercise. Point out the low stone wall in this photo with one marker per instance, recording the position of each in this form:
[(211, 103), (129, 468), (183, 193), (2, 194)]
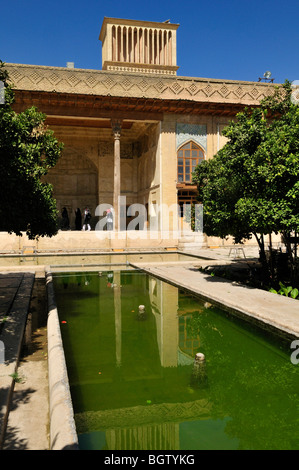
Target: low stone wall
[(69, 240), (72, 241), (63, 435)]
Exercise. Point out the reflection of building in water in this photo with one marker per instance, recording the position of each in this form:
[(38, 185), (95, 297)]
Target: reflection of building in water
[(163, 305), (177, 343), (148, 437), (155, 427), (164, 301), (153, 366), (188, 343)]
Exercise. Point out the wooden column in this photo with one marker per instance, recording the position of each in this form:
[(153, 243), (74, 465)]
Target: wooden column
[(116, 128)]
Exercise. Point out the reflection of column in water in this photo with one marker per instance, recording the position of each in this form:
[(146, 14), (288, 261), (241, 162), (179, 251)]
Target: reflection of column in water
[(199, 373), (169, 324), (117, 316)]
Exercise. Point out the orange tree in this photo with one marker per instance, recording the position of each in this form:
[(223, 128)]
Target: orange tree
[(27, 151), (251, 186)]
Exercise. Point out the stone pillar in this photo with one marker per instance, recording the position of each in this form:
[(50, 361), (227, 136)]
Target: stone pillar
[(116, 128)]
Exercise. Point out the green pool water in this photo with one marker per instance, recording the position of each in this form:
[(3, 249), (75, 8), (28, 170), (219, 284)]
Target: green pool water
[(132, 376)]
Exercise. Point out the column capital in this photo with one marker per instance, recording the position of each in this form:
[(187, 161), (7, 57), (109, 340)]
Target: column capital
[(116, 127)]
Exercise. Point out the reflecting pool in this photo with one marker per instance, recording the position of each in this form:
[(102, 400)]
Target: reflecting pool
[(135, 384)]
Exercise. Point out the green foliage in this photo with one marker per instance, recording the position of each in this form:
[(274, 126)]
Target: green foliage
[(17, 378), (287, 291), (251, 186), (27, 151)]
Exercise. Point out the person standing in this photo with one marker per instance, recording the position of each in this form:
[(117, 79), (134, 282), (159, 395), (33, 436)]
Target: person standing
[(86, 221), (109, 218), (78, 219), (65, 219)]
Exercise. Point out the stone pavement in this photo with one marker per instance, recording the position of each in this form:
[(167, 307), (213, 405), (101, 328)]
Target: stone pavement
[(15, 295), (227, 253), (28, 420)]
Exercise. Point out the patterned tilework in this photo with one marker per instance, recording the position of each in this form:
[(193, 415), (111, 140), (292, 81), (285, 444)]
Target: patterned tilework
[(195, 132)]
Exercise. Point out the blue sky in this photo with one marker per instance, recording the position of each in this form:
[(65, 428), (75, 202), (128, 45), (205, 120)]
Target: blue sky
[(231, 39)]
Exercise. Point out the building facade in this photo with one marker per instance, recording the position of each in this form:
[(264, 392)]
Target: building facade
[(134, 129)]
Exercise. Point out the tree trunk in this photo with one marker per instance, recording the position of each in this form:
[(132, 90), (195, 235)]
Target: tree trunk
[(263, 259), (271, 267), (287, 242)]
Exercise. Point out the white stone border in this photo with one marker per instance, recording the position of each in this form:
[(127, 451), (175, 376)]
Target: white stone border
[(63, 435)]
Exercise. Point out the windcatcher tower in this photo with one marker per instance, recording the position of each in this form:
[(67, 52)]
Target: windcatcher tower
[(139, 46)]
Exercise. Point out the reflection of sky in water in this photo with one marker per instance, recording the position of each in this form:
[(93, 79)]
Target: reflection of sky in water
[(92, 441), (206, 434)]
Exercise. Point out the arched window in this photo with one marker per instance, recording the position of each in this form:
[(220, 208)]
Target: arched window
[(189, 156)]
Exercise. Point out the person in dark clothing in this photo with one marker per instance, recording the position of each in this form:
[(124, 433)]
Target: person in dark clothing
[(65, 219), (78, 219)]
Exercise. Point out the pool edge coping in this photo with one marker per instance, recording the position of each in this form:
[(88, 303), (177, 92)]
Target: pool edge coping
[(63, 434), (261, 323)]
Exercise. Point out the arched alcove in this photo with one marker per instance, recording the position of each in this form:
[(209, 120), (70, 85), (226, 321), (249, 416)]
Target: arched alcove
[(75, 182)]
